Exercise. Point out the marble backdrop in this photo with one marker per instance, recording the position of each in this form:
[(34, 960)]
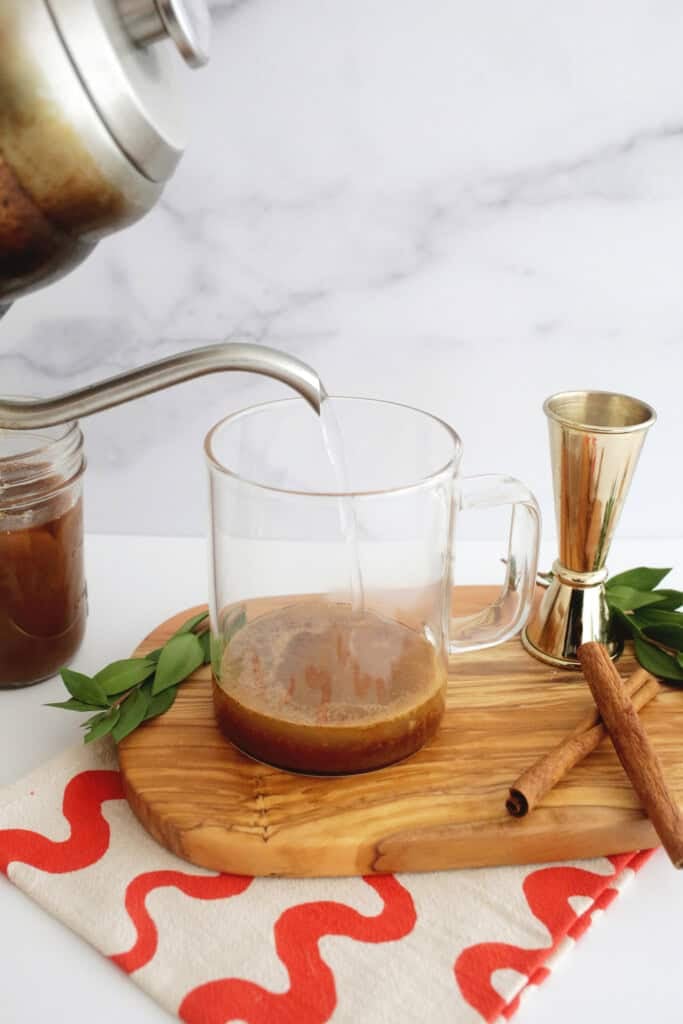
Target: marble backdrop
[(464, 206)]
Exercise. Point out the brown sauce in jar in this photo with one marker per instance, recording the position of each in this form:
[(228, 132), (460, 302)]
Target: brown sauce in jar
[(43, 604)]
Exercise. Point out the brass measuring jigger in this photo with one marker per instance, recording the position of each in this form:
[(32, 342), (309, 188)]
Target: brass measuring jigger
[(595, 441)]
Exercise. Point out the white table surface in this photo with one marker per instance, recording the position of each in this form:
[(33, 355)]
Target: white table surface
[(626, 967)]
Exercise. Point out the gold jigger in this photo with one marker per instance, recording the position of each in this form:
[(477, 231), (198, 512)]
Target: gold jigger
[(595, 441)]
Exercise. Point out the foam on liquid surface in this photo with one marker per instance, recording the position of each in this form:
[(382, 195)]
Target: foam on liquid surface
[(318, 662)]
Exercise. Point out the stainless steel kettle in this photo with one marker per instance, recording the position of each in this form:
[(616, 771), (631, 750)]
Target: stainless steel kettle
[(91, 123), (91, 129)]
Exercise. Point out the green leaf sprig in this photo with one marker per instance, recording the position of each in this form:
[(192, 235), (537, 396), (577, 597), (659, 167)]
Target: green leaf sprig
[(650, 615), (122, 695)]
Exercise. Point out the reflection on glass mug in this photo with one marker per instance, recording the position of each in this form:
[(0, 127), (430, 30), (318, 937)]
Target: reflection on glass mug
[(331, 607)]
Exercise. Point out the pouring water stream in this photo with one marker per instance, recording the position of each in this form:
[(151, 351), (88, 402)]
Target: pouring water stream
[(348, 521)]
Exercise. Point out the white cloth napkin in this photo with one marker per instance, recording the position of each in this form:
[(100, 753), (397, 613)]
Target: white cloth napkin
[(455, 946)]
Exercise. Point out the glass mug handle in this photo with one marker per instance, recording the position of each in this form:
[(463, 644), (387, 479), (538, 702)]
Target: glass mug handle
[(508, 613)]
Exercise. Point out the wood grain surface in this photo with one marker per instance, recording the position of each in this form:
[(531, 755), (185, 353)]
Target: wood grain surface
[(444, 807)]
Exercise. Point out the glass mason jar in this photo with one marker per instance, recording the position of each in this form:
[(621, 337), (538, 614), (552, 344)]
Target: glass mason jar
[(331, 603), (43, 605)]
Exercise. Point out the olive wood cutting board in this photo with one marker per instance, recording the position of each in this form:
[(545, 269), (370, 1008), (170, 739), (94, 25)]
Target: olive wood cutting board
[(444, 807)]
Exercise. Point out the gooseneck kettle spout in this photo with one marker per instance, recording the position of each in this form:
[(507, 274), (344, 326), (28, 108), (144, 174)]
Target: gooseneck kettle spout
[(26, 413)]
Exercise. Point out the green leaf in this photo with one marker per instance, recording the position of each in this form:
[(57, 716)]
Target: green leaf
[(205, 641), (132, 712), (669, 600), (122, 675), (658, 662), (72, 705), (101, 725), (160, 703), (94, 719), (131, 690), (179, 658), (670, 636), (629, 600), (641, 578), (84, 688), (627, 625), (658, 616), (187, 627)]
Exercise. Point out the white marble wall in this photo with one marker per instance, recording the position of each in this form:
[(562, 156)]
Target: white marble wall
[(464, 206)]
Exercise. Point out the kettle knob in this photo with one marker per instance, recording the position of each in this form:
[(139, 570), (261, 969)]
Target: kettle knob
[(185, 21)]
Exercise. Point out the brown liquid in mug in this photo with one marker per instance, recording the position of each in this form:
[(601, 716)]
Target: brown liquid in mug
[(316, 688), (42, 594)]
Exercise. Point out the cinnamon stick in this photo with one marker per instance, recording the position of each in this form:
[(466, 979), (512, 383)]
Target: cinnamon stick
[(533, 784), (633, 747)]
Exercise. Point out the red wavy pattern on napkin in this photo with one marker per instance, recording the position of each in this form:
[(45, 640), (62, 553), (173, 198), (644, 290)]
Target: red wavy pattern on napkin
[(312, 995), (547, 892), (200, 887), (89, 839)]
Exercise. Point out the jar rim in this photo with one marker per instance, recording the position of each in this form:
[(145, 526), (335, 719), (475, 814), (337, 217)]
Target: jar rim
[(50, 462), (55, 436)]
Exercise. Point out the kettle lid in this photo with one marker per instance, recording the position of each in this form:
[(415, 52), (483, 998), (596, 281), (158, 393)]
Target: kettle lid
[(128, 57)]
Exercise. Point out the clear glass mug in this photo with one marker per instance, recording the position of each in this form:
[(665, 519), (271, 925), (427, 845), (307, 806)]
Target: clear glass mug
[(309, 675)]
